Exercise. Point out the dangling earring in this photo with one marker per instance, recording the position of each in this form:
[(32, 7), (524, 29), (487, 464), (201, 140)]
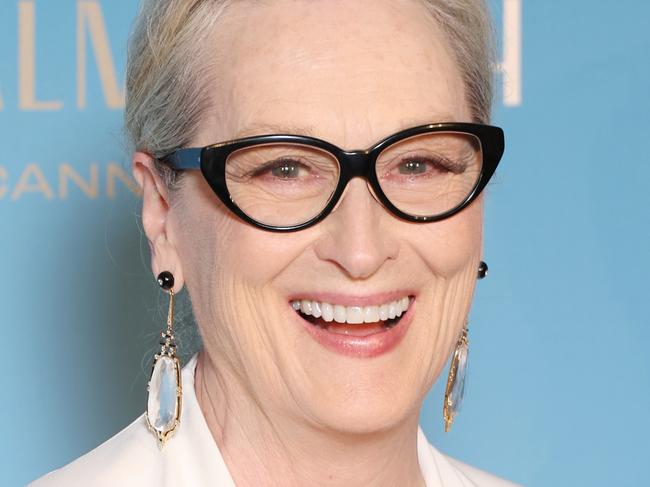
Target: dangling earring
[(455, 389), (456, 380), (164, 403)]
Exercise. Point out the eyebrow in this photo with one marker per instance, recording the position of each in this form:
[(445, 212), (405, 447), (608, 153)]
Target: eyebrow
[(406, 123), (271, 128), (261, 128)]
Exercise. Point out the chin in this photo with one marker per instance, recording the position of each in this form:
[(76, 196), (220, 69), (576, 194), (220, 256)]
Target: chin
[(359, 397), (366, 416)]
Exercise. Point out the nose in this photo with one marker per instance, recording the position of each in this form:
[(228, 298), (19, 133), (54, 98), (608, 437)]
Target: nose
[(358, 236)]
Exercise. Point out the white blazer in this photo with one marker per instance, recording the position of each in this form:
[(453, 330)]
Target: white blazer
[(191, 458)]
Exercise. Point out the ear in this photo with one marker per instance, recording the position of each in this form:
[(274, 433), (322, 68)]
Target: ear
[(155, 218)]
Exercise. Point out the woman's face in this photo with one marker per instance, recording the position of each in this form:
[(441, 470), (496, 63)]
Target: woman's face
[(350, 73)]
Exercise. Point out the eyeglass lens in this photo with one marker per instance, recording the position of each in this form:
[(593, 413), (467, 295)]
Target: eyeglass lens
[(286, 184)]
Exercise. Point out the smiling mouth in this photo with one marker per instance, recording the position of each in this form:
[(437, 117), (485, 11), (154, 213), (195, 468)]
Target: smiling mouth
[(352, 320)]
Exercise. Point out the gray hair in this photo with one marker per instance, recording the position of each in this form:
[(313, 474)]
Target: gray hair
[(168, 72)]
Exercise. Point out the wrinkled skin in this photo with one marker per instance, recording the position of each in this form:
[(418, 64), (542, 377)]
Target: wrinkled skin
[(280, 405)]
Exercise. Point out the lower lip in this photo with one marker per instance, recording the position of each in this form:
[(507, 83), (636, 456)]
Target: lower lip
[(361, 346)]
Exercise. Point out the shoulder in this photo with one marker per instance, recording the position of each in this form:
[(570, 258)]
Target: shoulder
[(126, 459), (132, 458), (439, 468), (479, 478)]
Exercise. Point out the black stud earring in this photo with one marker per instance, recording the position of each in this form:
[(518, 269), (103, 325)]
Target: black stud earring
[(482, 270), (166, 280)]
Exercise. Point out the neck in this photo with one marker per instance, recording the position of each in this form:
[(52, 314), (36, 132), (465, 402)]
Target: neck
[(260, 447)]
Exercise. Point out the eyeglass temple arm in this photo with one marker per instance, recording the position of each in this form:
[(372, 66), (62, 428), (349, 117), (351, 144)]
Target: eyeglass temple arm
[(184, 158)]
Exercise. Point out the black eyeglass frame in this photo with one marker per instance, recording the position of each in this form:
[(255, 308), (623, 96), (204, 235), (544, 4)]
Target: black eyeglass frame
[(211, 160)]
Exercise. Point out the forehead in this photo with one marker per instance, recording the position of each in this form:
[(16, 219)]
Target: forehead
[(348, 72)]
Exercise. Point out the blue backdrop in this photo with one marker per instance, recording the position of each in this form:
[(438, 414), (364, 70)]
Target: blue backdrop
[(559, 386)]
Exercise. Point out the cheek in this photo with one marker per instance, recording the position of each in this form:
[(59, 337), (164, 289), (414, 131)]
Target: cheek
[(451, 250), (451, 245), (230, 269)]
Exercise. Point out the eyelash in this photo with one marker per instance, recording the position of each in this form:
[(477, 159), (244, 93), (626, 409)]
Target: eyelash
[(434, 164)]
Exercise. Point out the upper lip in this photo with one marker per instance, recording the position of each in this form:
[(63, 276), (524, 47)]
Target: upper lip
[(369, 299)]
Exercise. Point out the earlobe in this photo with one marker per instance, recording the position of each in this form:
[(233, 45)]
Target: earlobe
[(155, 218), (165, 258)]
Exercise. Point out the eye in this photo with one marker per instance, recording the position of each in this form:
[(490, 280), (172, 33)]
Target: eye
[(412, 167), (281, 169), (285, 170)]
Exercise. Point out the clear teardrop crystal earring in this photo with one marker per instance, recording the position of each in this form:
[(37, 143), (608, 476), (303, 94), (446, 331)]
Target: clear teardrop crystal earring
[(165, 392), (455, 390)]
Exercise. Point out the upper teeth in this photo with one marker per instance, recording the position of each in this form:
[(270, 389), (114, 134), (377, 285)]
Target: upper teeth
[(352, 314)]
